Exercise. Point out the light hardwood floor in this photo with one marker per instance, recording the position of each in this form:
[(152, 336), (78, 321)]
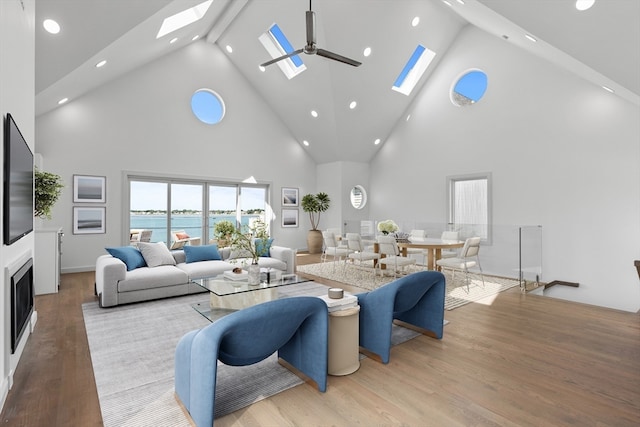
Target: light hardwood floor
[(523, 360)]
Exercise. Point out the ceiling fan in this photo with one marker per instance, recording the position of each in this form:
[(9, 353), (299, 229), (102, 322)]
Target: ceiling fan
[(310, 48)]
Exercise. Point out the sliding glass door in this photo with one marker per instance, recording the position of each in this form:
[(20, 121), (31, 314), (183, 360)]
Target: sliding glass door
[(167, 206)]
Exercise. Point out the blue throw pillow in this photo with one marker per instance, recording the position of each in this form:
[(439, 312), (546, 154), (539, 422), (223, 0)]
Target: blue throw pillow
[(263, 250), (130, 255), (201, 253)]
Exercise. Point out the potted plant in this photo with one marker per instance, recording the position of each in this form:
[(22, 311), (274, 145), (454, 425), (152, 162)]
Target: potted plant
[(315, 204), (223, 231), (48, 187), (253, 242)]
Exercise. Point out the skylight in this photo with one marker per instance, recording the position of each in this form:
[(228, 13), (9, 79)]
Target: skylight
[(413, 71), (277, 44), (184, 18)]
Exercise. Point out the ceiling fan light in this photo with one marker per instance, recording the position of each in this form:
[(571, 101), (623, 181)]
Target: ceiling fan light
[(583, 5)]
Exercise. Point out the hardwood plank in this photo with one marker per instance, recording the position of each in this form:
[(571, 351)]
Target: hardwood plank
[(523, 360)]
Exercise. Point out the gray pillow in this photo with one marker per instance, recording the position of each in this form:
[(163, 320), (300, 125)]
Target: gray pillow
[(156, 254), (239, 253)]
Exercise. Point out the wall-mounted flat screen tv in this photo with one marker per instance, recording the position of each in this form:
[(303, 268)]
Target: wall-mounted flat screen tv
[(18, 184)]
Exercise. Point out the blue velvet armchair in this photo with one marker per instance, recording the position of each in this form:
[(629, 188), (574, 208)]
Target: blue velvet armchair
[(417, 299), (295, 327)]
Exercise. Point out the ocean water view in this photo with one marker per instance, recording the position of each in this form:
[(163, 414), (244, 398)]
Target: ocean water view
[(190, 223)]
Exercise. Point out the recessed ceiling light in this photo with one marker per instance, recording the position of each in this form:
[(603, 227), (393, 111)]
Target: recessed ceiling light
[(460, 1), (173, 40), (314, 113), (261, 68), (306, 143), (608, 89), (367, 51), (51, 26), (584, 4), (353, 104), (229, 49), (377, 141), (447, 3), (184, 18), (408, 117), (196, 37), (101, 63), (62, 101), (530, 37), (415, 21)]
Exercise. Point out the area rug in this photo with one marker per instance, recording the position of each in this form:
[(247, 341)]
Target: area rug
[(132, 351), (362, 276)]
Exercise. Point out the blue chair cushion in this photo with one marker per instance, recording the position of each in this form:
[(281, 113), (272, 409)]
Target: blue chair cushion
[(130, 255), (263, 249), (202, 253)]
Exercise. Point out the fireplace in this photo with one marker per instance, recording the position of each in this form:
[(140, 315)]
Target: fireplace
[(21, 302)]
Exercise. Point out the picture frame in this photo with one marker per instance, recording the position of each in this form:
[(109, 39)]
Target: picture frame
[(289, 218), (89, 189), (290, 197), (89, 220)]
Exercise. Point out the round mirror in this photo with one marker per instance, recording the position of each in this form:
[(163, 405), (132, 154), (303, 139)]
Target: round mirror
[(358, 197)]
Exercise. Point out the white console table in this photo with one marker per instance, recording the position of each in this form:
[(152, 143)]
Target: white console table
[(48, 250)]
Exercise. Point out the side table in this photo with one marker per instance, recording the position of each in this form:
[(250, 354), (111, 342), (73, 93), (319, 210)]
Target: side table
[(344, 337)]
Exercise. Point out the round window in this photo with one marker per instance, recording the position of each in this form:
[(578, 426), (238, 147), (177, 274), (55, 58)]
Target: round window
[(358, 197), (207, 106), (469, 88)]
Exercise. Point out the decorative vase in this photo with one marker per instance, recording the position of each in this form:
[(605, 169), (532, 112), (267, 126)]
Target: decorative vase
[(254, 274), (314, 241)]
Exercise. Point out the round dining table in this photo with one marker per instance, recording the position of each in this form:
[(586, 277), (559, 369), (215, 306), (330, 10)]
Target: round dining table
[(433, 246)]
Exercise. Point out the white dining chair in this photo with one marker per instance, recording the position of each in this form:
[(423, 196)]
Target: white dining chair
[(417, 236), (354, 242), (449, 235), (468, 258), (388, 247), (331, 248)]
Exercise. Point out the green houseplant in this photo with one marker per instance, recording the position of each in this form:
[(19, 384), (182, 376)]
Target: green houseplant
[(48, 187), (314, 205), (252, 242)]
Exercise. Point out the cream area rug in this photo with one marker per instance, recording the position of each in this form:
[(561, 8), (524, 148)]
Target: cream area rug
[(362, 276)]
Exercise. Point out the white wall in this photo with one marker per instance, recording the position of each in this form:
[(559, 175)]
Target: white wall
[(143, 122), (563, 154), (17, 96)]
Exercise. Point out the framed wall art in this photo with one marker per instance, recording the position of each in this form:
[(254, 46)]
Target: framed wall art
[(289, 218), (289, 197), (87, 220), (89, 189)]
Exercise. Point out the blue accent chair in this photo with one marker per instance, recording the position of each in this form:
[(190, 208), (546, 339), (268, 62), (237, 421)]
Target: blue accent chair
[(417, 299), (296, 327)]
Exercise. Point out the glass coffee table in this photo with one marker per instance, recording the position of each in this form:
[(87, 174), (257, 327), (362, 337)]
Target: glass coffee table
[(226, 295)]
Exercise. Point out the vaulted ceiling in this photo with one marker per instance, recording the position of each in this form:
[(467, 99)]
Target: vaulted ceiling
[(601, 45)]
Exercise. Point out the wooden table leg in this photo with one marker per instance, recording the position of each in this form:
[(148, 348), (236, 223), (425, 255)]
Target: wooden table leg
[(430, 261), (438, 256)]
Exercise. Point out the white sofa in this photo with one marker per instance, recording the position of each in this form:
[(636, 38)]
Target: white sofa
[(115, 285)]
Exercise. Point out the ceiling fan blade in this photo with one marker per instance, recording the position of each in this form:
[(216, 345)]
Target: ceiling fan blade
[(336, 57), (280, 58)]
